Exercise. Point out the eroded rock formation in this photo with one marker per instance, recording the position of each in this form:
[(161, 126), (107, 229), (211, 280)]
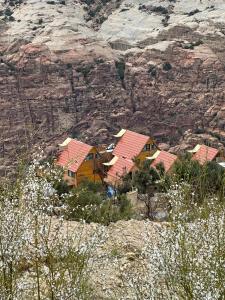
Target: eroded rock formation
[(60, 74)]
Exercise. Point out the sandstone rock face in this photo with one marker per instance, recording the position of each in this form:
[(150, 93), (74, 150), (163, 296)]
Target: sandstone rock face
[(189, 140), (139, 22), (154, 67)]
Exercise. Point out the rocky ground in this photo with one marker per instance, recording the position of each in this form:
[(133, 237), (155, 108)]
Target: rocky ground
[(116, 250), (88, 67)]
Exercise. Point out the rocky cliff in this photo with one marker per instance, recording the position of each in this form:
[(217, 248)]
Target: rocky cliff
[(89, 67)]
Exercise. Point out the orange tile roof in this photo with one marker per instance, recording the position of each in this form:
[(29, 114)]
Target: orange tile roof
[(120, 168), (73, 155), (130, 144), (166, 158), (205, 154)]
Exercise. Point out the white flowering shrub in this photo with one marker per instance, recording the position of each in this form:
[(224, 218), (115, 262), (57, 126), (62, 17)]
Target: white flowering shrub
[(188, 259), (40, 257), (44, 257)]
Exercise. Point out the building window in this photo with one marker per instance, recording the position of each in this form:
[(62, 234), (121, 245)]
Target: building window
[(147, 147), (71, 173), (90, 156)]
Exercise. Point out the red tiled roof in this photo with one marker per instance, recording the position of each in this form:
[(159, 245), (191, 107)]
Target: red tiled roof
[(166, 158), (73, 155), (121, 167), (130, 145), (205, 154)]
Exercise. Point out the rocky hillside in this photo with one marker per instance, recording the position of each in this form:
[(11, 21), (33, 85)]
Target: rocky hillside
[(89, 67), (118, 254)]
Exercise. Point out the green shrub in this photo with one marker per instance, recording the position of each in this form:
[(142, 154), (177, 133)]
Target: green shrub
[(89, 203), (14, 2), (51, 2), (85, 70), (83, 204), (8, 12), (214, 178), (193, 12), (99, 61), (104, 2), (207, 179), (152, 71), (125, 208), (89, 2), (61, 187), (120, 66), (187, 170), (167, 66), (95, 187), (113, 212), (126, 185), (91, 13), (160, 168), (158, 9), (145, 177)]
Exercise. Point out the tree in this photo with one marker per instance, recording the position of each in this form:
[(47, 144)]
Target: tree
[(145, 178)]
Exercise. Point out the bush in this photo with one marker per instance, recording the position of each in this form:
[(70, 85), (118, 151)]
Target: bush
[(83, 204), (167, 66), (85, 70), (152, 71), (89, 203), (120, 66), (145, 177), (165, 20), (14, 2), (214, 177), (104, 2), (113, 212), (193, 12), (99, 61), (207, 179), (160, 168), (89, 2), (191, 45), (91, 13), (159, 9), (8, 12), (61, 187), (95, 187), (126, 185), (186, 169)]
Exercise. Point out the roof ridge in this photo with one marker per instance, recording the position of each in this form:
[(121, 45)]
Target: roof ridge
[(80, 142), (127, 130)]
